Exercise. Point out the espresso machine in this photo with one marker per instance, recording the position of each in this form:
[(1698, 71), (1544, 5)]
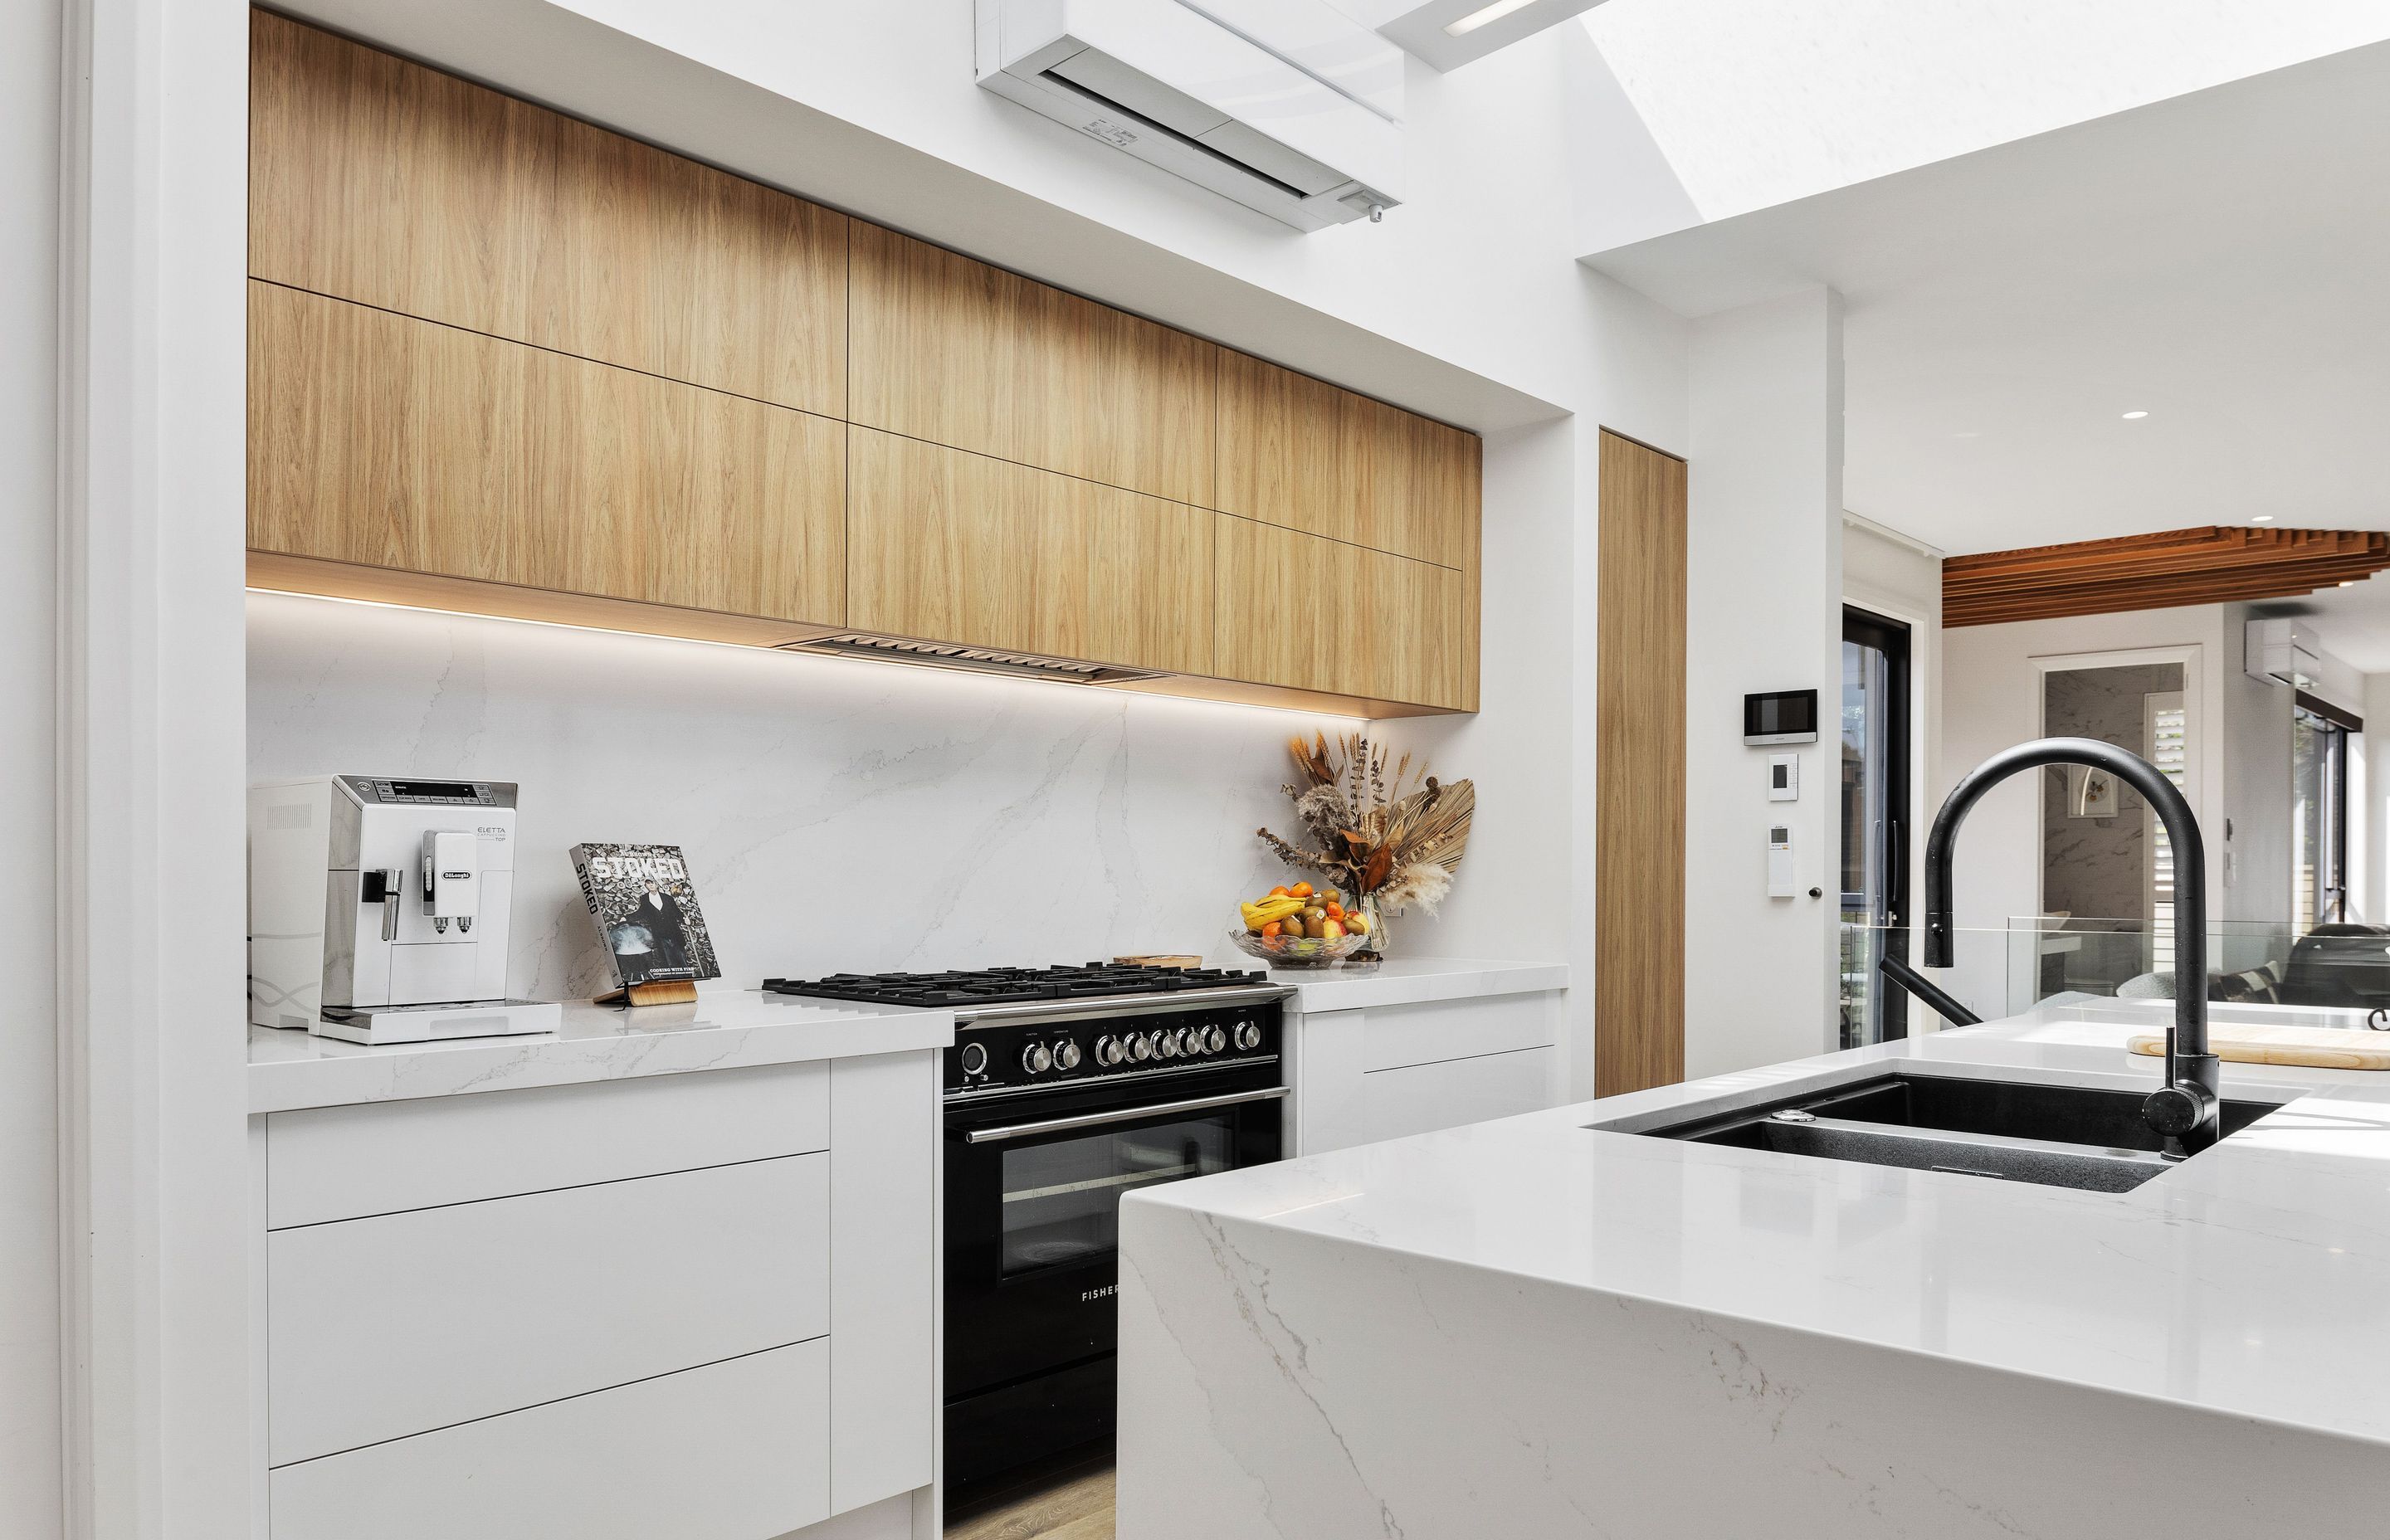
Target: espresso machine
[(378, 909)]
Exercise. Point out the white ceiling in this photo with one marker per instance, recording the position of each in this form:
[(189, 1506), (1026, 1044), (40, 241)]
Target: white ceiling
[(2220, 261)]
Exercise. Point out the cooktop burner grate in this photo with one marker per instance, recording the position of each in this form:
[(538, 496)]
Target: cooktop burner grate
[(989, 986)]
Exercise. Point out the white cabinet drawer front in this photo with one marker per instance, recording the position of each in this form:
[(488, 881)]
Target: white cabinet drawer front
[(1424, 1097), (1437, 1030), (342, 1162), (396, 1325), (734, 1451)]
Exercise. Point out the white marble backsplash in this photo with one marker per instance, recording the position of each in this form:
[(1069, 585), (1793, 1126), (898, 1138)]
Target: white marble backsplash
[(837, 816)]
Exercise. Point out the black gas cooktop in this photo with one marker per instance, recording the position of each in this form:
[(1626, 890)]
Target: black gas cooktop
[(992, 986)]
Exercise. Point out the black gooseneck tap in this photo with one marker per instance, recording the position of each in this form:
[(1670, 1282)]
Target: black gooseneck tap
[(2185, 1109)]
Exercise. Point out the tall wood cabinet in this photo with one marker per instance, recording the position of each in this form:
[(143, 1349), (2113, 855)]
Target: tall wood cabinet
[(504, 360)]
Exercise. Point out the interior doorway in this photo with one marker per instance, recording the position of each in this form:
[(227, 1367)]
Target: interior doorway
[(1876, 778)]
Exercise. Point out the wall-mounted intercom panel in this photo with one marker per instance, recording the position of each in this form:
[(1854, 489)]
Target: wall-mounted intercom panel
[(1780, 716)]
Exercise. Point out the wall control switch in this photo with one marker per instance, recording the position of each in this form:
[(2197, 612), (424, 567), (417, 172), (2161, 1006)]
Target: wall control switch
[(1783, 778), (1779, 862)]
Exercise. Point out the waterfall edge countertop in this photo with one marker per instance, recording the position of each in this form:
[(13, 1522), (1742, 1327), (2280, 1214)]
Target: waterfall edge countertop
[(2249, 1281), (724, 1030)]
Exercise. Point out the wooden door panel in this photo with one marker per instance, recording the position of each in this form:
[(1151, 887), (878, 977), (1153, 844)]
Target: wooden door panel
[(1307, 613), (1305, 454), (1639, 772), (390, 441), (957, 353), (377, 180), (947, 546)]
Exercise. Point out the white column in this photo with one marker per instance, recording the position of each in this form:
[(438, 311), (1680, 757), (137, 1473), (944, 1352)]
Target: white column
[(150, 1017), (1764, 586)]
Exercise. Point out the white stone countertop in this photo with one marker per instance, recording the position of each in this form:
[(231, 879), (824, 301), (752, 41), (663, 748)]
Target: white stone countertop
[(2250, 1281), (1412, 981), (724, 1030)]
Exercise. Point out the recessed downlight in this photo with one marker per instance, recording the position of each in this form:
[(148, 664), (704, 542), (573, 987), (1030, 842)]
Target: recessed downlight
[(2132, 415), (1479, 18), (2261, 519)]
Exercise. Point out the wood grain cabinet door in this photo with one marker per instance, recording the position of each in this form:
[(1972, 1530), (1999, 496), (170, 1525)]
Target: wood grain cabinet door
[(395, 443), (1304, 455), (1304, 612), (957, 353), (950, 547), (377, 180)]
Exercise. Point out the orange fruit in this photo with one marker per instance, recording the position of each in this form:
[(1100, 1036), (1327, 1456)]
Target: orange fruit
[(1301, 890), (1269, 932)]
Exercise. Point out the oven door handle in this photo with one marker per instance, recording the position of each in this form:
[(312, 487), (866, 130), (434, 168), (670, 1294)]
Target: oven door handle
[(1123, 1114)]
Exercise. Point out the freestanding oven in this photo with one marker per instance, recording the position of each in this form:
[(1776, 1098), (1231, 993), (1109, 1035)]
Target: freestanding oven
[(1113, 1081)]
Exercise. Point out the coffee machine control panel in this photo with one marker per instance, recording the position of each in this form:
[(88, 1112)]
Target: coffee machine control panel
[(433, 793)]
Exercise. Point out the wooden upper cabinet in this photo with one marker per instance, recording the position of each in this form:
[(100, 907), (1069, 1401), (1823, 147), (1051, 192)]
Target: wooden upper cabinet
[(388, 441), (1304, 612), (950, 547), (1305, 454), (957, 353), (377, 180)]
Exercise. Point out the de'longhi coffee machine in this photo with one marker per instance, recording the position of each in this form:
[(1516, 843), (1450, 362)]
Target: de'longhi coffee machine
[(378, 909)]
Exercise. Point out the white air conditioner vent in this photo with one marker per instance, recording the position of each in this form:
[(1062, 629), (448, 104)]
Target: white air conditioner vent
[(2282, 652), (1287, 106)]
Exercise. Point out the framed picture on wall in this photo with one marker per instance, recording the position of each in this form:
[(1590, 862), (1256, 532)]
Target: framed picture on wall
[(2094, 793)]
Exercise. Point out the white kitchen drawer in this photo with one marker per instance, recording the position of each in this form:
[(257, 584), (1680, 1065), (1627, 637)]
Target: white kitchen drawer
[(342, 1162), (1433, 1031), (732, 1451), (407, 1322), (1422, 1097)]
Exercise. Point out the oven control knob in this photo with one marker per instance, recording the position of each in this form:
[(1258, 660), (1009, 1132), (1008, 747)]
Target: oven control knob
[(1109, 1052), (1249, 1036), (1140, 1047), (1066, 1053), (1194, 1043), (1215, 1040), (1035, 1059), (974, 1058), (1165, 1043)]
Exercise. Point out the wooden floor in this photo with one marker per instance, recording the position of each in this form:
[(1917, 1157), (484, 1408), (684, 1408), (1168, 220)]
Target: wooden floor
[(1077, 1506)]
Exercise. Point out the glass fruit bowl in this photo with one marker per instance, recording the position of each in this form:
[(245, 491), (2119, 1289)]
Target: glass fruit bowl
[(1297, 950)]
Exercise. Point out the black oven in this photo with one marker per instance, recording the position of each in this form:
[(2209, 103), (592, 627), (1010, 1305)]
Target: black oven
[(1048, 1122)]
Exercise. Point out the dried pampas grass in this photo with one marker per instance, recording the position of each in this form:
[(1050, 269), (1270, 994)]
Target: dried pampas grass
[(1372, 827)]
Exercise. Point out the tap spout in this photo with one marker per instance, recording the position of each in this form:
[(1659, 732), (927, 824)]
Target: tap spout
[(2186, 1109)]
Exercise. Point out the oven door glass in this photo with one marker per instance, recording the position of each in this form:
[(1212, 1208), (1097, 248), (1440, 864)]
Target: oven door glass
[(1062, 1200)]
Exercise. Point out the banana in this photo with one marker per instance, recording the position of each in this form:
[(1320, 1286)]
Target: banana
[(1260, 914)]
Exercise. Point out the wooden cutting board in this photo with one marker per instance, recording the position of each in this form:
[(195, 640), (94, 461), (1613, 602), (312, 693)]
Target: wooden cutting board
[(2313, 1047)]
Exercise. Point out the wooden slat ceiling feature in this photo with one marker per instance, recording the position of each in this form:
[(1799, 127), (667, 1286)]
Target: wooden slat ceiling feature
[(2155, 571)]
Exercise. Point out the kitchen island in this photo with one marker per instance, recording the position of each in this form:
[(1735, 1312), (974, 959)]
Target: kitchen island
[(1549, 1326)]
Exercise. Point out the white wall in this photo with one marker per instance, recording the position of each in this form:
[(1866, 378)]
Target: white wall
[(29, 1129), (1743, 106), (1902, 582), (2371, 844), (1764, 613), (2256, 743)]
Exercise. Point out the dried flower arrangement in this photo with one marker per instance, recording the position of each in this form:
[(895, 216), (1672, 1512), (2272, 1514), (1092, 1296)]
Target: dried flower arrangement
[(1391, 837)]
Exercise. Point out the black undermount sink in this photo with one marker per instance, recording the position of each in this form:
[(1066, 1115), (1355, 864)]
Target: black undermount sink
[(2056, 1135)]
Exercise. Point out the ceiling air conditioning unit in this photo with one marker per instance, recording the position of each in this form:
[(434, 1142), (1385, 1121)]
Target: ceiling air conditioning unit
[(2282, 652), (1289, 106)]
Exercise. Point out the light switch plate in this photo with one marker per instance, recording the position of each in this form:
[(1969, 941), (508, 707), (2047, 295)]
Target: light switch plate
[(1783, 778)]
